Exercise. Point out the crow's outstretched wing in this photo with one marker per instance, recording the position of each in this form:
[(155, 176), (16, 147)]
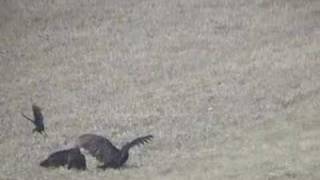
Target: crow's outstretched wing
[(29, 119), (99, 147)]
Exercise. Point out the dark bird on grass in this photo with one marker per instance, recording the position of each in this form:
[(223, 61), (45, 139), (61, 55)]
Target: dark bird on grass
[(37, 121), (73, 158), (104, 151)]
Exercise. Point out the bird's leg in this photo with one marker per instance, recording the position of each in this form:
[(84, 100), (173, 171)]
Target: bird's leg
[(104, 166), (35, 130), (45, 134), (41, 132), (69, 166)]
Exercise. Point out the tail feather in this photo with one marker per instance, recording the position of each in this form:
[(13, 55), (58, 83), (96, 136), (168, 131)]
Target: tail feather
[(136, 142)]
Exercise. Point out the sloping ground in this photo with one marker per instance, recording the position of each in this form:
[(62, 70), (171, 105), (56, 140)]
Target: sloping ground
[(230, 89)]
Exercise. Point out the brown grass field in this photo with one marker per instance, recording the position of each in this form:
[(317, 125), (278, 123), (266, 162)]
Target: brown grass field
[(230, 89)]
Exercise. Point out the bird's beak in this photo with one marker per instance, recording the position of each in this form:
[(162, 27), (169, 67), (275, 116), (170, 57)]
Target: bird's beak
[(44, 163)]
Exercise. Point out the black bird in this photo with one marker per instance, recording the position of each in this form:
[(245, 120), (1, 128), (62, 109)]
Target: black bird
[(104, 151), (73, 158), (37, 121)]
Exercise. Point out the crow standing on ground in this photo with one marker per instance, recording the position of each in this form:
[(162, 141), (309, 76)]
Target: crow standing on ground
[(37, 121), (104, 151), (73, 158)]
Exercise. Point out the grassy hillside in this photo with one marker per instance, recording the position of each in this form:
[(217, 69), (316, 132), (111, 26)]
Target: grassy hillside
[(230, 89)]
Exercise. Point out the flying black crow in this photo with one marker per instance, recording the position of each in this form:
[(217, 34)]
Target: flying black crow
[(104, 151), (37, 121)]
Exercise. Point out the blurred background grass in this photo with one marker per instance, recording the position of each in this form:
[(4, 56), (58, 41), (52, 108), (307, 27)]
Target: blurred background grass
[(229, 89)]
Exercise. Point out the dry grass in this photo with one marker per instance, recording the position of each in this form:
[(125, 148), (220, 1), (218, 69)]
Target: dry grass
[(230, 89)]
